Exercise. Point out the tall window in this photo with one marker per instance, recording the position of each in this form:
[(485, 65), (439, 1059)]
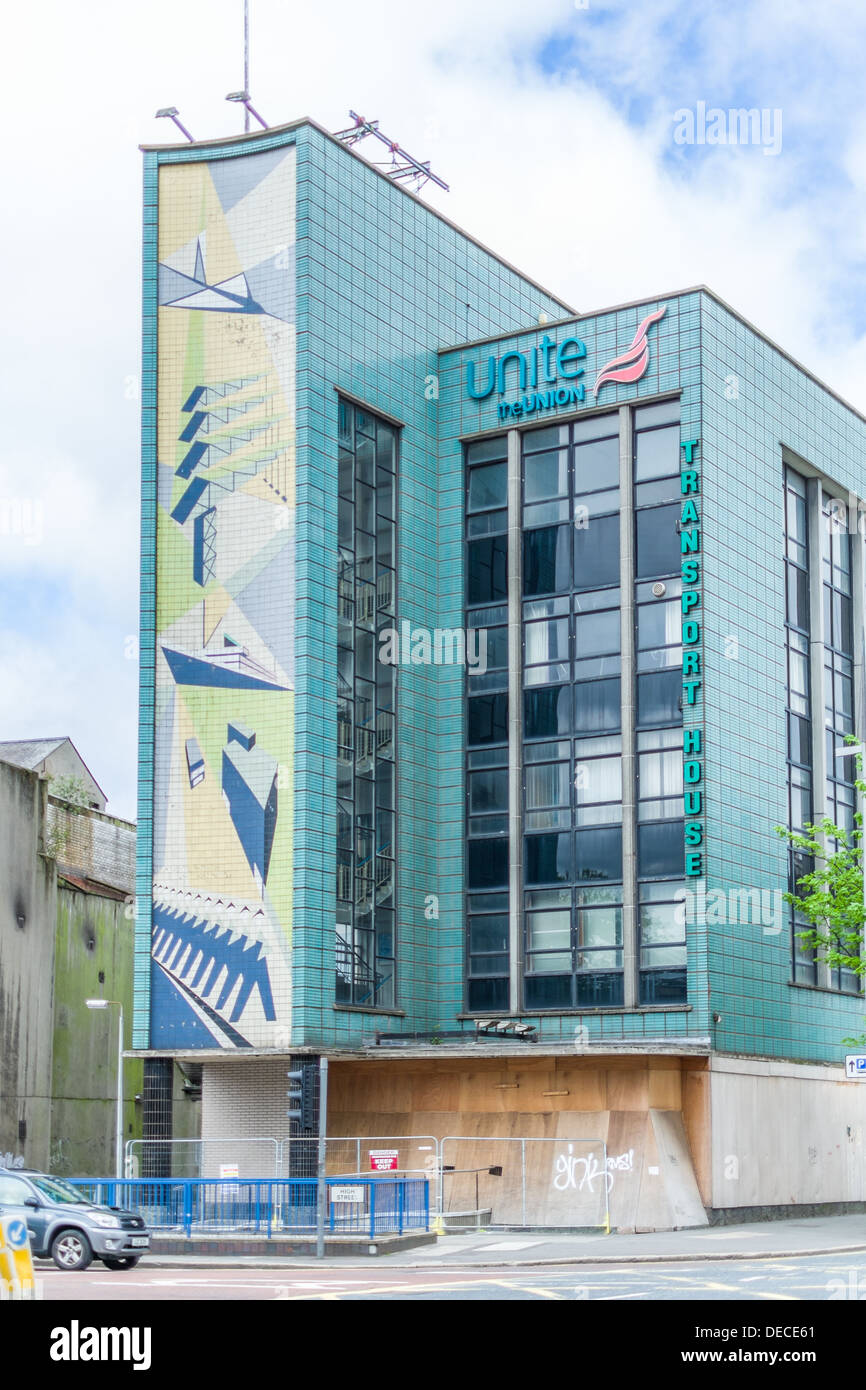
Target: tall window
[(799, 710), (572, 739), (658, 660), (840, 793), (366, 694), (487, 726)]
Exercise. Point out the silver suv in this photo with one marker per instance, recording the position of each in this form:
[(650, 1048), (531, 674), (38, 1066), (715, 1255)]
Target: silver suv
[(63, 1224)]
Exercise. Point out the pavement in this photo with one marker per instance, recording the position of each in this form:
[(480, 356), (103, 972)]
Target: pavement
[(818, 1235)]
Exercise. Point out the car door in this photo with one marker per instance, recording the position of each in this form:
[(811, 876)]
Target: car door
[(14, 1194)]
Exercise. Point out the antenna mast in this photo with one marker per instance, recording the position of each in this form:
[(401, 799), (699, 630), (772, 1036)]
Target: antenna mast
[(409, 167), (246, 59)]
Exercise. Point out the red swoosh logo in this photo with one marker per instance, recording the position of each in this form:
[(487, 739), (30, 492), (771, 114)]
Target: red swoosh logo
[(631, 365)]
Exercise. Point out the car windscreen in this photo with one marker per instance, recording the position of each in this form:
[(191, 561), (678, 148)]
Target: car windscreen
[(57, 1191)]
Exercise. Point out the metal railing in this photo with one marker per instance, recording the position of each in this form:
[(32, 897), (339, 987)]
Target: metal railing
[(564, 1183), (269, 1206)]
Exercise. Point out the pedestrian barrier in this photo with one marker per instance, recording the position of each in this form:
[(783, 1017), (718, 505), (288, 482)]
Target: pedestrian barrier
[(268, 1206)]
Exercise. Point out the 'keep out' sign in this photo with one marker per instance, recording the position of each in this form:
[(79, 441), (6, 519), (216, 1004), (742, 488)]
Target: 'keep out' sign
[(384, 1160)]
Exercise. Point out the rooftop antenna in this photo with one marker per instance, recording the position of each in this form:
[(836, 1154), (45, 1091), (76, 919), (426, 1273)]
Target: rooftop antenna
[(409, 168), (171, 112), (248, 107), (246, 60)]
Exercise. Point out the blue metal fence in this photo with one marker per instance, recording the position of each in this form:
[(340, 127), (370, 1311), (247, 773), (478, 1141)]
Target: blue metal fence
[(268, 1206)]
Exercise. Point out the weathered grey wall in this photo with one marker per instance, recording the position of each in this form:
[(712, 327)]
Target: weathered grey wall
[(785, 1133), (94, 939), (28, 909), (92, 843)]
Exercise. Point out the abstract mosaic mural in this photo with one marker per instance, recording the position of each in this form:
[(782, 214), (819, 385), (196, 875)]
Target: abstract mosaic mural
[(222, 846)]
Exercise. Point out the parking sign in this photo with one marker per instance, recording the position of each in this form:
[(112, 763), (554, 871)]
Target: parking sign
[(855, 1066)]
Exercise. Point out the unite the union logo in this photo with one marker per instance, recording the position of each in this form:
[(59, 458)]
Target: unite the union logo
[(630, 365)]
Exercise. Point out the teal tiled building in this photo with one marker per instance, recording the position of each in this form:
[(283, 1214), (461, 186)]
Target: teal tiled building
[(532, 626)]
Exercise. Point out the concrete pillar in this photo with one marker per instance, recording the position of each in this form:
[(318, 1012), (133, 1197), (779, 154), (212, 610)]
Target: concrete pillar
[(515, 721), (629, 763), (815, 523)]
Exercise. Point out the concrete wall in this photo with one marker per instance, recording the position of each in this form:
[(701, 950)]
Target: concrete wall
[(94, 948), (27, 916), (785, 1133)]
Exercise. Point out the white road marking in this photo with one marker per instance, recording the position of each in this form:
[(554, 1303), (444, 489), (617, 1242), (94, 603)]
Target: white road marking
[(511, 1245)]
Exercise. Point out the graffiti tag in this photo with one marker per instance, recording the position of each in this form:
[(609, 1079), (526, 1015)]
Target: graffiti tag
[(577, 1171)]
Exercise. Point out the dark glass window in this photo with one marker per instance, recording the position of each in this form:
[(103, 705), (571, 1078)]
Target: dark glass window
[(487, 864), (547, 858), (547, 711), (596, 553), (548, 991), (660, 849), (658, 697), (488, 487), (487, 718), (487, 569), (488, 996), (658, 542), (598, 855), (663, 987), (597, 706), (546, 560)]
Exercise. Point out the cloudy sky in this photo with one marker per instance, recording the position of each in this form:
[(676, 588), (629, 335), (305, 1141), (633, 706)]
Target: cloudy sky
[(554, 124)]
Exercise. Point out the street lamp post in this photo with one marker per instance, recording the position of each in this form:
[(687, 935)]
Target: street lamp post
[(118, 1128)]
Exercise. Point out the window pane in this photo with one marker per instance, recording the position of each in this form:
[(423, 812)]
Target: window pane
[(487, 863), (546, 560), (488, 791), (488, 486), (660, 849), (598, 854), (597, 633), (597, 706), (596, 553), (661, 773), (546, 785), (657, 453), (658, 697), (546, 641), (548, 931), (600, 779), (488, 718), (663, 987), (547, 712), (548, 858), (599, 926), (596, 465), (548, 992), (662, 923), (487, 449), (487, 570), (488, 996), (545, 475), (488, 933), (659, 624), (658, 544)]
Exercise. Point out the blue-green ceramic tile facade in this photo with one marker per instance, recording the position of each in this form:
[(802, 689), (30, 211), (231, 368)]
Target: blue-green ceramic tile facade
[(383, 286), (755, 402)]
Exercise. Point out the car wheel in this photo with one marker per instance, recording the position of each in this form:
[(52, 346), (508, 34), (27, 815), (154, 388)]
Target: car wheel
[(71, 1250), (121, 1262)]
